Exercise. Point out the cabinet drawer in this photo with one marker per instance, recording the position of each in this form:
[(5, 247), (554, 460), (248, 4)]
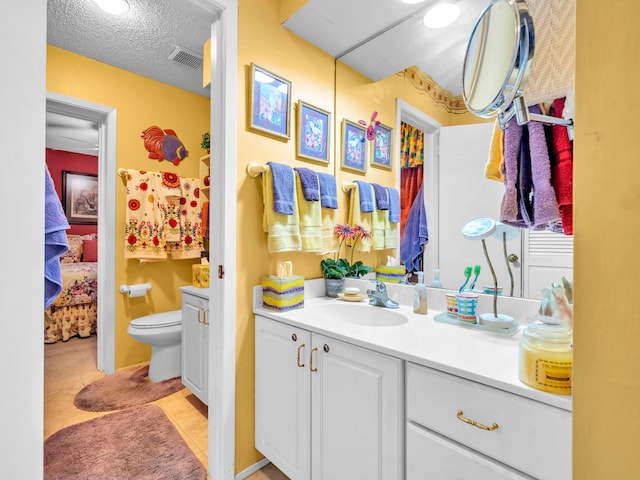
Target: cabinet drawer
[(532, 437), (432, 456)]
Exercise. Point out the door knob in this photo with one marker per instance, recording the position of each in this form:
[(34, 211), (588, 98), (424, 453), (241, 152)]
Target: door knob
[(513, 258)]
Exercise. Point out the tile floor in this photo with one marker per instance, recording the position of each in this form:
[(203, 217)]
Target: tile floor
[(71, 365)]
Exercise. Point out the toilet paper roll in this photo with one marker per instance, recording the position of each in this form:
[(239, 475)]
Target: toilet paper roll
[(137, 290)]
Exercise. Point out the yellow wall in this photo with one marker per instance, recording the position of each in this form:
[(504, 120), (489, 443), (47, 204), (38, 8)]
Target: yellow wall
[(607, 198), (140, 103), (263, 41)]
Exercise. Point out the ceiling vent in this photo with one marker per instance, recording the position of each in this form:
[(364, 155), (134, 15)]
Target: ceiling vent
[(186, 57)]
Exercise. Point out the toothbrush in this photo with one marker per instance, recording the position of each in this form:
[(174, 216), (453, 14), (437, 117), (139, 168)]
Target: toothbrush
[(476, 272), (467, 274)]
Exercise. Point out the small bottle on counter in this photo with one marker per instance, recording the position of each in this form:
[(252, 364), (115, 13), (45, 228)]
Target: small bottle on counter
[(420, 296), (546, 355), (436, 283)]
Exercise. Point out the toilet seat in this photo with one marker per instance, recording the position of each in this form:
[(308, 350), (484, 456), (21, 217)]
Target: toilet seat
[(164, 319)]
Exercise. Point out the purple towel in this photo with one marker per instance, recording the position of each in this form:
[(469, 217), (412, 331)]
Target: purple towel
[(382, 198), (545, 204), (415, 234), (525, 184), (55, 240), (283, 187), (310, 184), (366, 197), (394, 205), (509, 207), (328, 195)]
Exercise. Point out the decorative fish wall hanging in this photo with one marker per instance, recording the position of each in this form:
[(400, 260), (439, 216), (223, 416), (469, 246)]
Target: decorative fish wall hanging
[(164, 145), (371, 128)]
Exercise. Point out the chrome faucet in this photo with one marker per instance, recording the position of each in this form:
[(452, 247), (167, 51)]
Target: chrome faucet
[(380, 298)]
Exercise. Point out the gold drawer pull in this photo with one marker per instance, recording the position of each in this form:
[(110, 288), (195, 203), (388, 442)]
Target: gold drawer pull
[(300, 347), (476, 424), (311, 367)]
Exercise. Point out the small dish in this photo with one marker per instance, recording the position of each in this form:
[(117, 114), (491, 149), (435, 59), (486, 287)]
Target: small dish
[(351, 298)]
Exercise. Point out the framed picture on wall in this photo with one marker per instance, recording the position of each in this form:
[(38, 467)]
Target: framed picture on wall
[(313, 132), (354, 147), (382, 147), (80, 197), (270, 103)]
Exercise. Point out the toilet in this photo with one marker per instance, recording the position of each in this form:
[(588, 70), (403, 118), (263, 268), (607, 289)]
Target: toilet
[(163, 331)]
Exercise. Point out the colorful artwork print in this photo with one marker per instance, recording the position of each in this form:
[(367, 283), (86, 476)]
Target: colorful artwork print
[(270, 103), (382, 147), (313, 133), (354, 146), (80, 197)]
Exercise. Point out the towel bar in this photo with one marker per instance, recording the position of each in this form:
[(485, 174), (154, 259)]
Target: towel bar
[(255, 169), (346, 186)]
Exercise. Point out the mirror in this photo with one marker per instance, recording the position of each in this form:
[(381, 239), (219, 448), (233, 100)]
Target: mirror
[(497, 63)]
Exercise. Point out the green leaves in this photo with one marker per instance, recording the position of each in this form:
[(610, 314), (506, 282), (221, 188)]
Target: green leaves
[(341, 268)]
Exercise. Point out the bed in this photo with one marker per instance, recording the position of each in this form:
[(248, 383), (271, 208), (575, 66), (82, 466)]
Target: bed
[(74, 311)]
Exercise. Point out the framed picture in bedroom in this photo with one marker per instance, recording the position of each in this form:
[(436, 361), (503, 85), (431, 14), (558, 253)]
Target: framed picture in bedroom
[(313, 132), (382, 147), (354, 147), (80, 197), (269, 103)]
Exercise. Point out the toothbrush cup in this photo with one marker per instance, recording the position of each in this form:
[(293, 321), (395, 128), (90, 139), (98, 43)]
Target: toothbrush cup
[(467, 303), (452, 305)]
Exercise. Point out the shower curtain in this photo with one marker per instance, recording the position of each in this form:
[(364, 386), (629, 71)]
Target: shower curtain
[(411, 172)]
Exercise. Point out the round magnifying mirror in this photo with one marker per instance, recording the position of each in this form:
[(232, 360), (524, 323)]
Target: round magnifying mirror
[(498, 57), (478, 228)]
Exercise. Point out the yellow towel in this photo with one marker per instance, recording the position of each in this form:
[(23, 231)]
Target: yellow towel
[(378, 220), (144, 232), (283, 230), (189, 244), (390, 233), (310, 215), (494, 166), (329, 221), (357, 217)]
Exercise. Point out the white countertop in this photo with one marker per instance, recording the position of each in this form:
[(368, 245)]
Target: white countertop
[(484, 357)]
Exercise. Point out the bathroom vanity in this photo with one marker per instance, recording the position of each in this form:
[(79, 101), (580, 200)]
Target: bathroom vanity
[(195, 340), (352, 391)]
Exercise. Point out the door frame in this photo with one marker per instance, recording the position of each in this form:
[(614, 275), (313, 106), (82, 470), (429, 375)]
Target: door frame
[(106, 118)]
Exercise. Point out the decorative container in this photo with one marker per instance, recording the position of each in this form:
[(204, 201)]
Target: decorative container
[(452, 305), (200, 275), (334, 286), (390, 274), (467, 303), (283, 293)]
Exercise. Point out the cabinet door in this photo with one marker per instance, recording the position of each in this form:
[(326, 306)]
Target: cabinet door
[(431, 456), (357, 413), (282, 394), (195, 338)]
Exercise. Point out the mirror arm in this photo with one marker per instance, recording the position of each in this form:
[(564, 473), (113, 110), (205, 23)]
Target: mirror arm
[(523, 116)]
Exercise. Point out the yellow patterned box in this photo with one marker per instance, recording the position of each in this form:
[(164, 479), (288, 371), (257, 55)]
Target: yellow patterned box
[(390, 274), (200, 275), (283, 293)]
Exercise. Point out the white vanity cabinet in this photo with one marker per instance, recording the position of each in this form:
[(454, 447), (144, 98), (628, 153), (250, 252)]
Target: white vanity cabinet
[(457, 428), (195, 340), (326, 409)]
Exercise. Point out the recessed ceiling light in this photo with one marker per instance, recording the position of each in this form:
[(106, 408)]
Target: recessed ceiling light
[(411, 2), (441, 15), (114, 7)]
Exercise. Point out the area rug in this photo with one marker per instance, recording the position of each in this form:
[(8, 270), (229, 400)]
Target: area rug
[(124, 389), (139, 442)]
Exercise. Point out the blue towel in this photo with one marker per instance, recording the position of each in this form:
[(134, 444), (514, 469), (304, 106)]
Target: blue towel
[(283, 187), (382, 199), (366, 197), (394, 205), (415, 235), (55, 240), (328, 195), (310, 184)]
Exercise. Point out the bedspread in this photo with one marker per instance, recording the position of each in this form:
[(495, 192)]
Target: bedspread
[(74, 311)]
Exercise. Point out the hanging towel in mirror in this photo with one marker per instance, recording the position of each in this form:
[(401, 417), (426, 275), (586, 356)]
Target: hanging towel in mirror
[(55, 240), (309, 183), (366, 196), (382, 197), (358, 217), (328, 195)]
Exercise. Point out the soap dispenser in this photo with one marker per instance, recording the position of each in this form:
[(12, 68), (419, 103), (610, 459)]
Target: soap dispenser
[(436, 279), (420, 296)]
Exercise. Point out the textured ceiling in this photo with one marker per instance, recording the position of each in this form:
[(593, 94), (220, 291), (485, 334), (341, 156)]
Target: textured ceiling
[(139, 41)]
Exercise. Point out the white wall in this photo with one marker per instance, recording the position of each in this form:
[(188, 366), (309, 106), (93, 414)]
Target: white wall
[(23, 27)]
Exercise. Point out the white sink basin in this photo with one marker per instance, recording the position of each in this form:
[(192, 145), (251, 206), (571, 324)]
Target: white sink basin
[(359, 314)]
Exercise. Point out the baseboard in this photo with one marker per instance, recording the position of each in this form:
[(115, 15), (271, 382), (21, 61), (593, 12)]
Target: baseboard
[(252, 469)]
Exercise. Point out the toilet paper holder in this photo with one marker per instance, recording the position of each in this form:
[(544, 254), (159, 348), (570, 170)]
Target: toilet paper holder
[(137, 290)]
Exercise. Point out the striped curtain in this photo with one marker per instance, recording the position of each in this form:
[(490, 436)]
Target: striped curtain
[(411, 172)]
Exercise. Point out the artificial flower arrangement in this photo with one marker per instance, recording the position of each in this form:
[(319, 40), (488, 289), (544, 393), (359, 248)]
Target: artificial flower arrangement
[(336, 268)]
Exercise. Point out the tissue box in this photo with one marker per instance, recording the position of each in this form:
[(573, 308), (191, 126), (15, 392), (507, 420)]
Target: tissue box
[(283, 293), (390, 274), (200, 275)]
